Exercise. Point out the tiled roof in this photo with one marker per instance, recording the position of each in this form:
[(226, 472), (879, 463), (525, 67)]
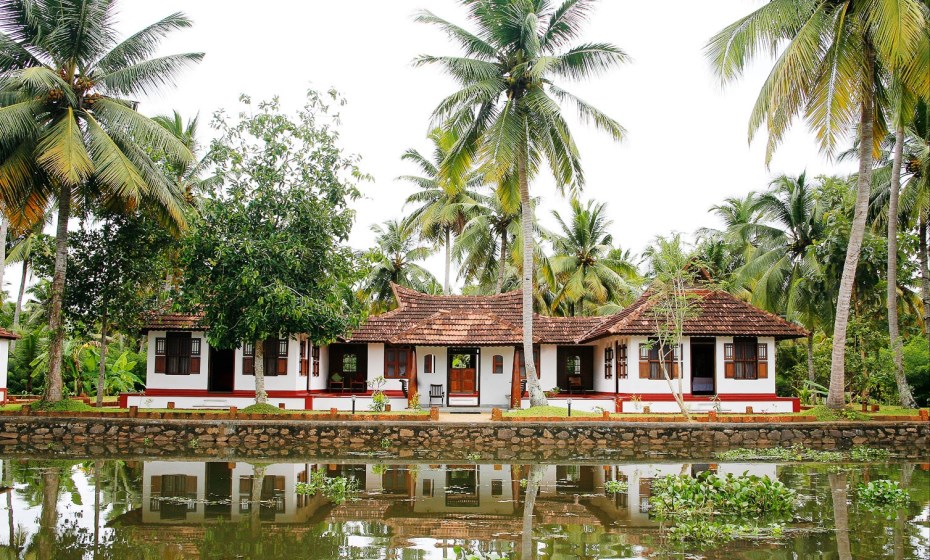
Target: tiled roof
[(9, 335), (174, 322), (477, 328), (466, 320), (717, 314)]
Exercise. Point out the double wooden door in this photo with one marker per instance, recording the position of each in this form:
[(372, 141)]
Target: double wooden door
[(462, 380)]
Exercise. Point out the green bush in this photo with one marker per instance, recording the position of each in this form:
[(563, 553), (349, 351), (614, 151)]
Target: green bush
[(722, 496), (262, 409), (882, 496)]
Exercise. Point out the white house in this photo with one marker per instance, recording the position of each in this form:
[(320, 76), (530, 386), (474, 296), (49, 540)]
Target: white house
[(5, 338), (466, 351)]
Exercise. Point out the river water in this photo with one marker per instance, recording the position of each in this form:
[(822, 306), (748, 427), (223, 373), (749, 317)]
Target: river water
[(404, 509)]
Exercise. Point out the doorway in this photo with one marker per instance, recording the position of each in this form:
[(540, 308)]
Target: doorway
[(218, 491), (222, 369), (703, 366), (463, 372)]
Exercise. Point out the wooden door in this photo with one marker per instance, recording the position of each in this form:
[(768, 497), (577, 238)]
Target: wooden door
[(462, 380)]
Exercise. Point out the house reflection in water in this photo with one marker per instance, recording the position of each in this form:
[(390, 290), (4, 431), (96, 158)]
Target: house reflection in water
[(429, 507)]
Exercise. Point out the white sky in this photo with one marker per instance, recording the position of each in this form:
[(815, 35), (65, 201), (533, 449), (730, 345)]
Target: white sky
[(686, 147)]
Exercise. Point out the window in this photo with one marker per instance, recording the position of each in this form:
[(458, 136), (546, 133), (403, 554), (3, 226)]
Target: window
[(177, 349), (429, 363), (498, 364), (315, 354), (745, 358), (397, 361), (349, 363), (651, 359), (304, 360), (573, 365), (621, 361), (274, 358), (608, 363)]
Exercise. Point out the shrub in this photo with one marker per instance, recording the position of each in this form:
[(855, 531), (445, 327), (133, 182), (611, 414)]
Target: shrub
[(615, 487), (262, 409), (882, 495), (336, 489), (379, 402), (709, 494)]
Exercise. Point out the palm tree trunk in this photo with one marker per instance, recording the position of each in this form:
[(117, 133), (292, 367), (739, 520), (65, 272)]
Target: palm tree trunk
[(811, 374), (445, 284), (53, 389), (537, 397), (924, 273), (840, 515), (261, 397), (19, 300), (502, 262), (532, 490), (904, 391), (836, 395), (102, 374)]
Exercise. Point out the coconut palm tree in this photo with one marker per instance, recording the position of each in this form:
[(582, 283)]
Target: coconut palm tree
[(782, 271), (915, 195), (584, 266), (832, 70), (68, 128), (446, 199), (394, 261), (506, 110)]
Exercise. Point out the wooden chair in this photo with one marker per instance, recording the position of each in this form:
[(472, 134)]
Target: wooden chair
[(436, 392), (574, 384), (358, 384), (333, 384)]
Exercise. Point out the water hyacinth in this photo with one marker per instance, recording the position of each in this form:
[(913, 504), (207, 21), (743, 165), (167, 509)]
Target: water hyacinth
[(711, 495)]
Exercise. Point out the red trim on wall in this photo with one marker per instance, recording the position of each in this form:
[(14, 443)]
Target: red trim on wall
[(3, 396), (728, 397), (251, 394)]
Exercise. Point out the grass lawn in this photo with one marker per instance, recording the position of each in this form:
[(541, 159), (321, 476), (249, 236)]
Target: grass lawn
[(78, 406), (824, 414), (549, 412)]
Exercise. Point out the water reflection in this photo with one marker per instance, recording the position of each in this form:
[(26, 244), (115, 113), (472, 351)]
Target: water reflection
[(217, 510)]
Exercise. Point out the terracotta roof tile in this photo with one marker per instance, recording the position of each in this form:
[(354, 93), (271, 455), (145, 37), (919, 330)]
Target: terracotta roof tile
[(471, 328), (718, 314), (174, 322), (427, 319), (9, 335)]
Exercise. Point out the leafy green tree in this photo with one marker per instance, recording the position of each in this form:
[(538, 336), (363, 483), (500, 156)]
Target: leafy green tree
[(446, 199), (268, 258), (584, 266), (506, 111), (832, 70), (394, 260), (117, 268), (484, 248), (68, 128)]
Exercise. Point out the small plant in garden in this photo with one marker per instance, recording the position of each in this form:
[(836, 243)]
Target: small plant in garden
[(385, 443), (715, 402), (882, 496), (616, 487), (147, 440), (379, 400), (637, 402), (414, 402), (336, 489), (523, 483)]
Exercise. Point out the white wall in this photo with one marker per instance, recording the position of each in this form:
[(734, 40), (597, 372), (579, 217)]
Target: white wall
[(321, 382), (4, 361), (487, 503), (439, 375), (548, 356), (290, 382), (193, 381), (633, 384), (495, 387)]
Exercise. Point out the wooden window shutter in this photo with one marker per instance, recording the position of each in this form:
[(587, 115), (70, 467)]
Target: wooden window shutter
[(428, 363), (248, 358), (762, 361), (161, 361), (191, 484), (643, 361), (729, 369), (498, 364), (282, 356), (195, 355), (304, 369), (315, 353)]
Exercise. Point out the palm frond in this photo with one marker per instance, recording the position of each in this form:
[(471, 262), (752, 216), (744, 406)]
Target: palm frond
[(147, 77), (61, 151)]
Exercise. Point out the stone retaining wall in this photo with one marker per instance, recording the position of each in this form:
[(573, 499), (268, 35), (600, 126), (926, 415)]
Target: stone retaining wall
[(282, 438)]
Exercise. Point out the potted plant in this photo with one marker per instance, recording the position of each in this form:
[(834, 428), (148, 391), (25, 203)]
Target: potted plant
[(637, 402)]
